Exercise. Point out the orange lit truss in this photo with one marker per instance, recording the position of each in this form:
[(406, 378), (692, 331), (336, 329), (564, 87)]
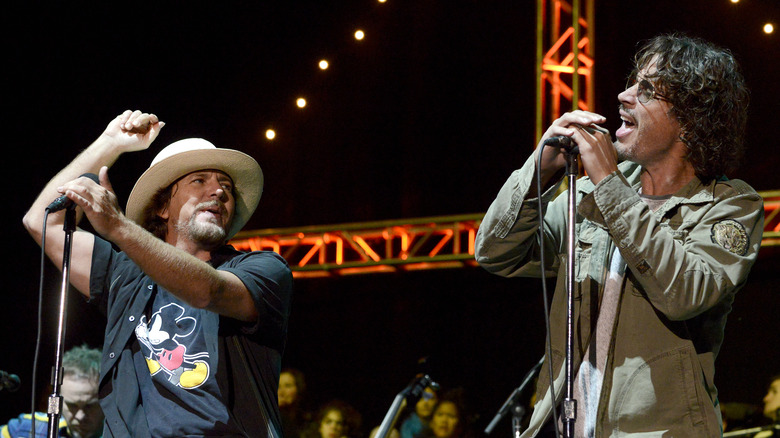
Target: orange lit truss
[(370, 247), (564, 58), (401, 245)]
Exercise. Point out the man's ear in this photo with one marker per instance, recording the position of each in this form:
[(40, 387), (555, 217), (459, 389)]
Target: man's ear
[(163, 212)]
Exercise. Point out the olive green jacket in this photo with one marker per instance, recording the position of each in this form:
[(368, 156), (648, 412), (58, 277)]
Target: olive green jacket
[(685, 263)]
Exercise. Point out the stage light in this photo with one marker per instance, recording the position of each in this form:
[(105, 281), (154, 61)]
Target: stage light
[(270, 134), (359, 35), (301, 102), (323, 64), (734, 1), (769, 28)]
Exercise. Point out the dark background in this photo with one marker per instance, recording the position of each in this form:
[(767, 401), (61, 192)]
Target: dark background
[(427, 116)]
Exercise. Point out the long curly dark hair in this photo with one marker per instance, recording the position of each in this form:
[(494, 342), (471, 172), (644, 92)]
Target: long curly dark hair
[(708, 96)]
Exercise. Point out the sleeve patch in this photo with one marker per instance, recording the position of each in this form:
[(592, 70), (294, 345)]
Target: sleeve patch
[(731, 235)]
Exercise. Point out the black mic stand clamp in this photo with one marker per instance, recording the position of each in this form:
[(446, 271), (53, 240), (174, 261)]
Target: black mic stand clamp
[(408, 396), (55, 399)]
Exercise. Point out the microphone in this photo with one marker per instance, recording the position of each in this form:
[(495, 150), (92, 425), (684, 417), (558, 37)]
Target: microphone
[(63, 201), (10, 382), (563, 142), (567, 143), (560, 141)]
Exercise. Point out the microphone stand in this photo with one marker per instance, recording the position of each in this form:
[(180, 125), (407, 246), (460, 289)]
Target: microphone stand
[(513, 403), (410, 394), (55, 399), (569, 404)]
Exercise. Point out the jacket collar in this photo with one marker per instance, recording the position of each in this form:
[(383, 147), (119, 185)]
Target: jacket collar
[(695, 192)]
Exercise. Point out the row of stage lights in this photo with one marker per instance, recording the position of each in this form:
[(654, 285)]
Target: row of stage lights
[(323, 65), (768, 28), (359, 35)]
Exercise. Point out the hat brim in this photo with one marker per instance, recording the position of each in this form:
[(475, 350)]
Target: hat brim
[(241, 168)]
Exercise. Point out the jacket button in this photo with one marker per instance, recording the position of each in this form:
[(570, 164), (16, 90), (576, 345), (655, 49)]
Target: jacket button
[(111, 355)]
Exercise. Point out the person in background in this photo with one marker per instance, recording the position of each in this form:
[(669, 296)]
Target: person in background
[(772, 400), (417, 422), (292, 396), (450, 418), (335, 419), (81, 415)]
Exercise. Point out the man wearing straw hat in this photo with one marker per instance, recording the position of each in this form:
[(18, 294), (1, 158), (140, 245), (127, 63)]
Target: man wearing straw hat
[(196, 330)]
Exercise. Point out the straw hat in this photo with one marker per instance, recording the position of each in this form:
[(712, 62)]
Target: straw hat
[(192, 154)]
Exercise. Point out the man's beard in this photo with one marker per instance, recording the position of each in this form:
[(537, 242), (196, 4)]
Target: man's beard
[(206, 233)]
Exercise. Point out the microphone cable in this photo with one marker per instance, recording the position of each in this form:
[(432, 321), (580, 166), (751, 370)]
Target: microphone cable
[(39, 329)]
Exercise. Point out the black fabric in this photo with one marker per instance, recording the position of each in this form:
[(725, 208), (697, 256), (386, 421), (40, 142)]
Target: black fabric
[(248, 359)]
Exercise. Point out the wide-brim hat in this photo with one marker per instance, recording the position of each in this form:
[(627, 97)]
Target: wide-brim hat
[(192, 154)]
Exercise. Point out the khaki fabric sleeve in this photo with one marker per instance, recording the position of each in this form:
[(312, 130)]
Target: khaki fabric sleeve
[(688, 259), (507, 243)]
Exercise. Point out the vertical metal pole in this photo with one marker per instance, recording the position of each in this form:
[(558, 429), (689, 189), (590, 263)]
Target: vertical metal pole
[(55, 399), (569, 404)]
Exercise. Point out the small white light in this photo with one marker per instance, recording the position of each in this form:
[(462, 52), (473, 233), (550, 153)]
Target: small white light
[(769, 28), (301, 102), (323, 64), (359, 35), (270, 134)]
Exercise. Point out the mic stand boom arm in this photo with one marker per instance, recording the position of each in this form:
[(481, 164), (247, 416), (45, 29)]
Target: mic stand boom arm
[(409, 395), (513, 403)]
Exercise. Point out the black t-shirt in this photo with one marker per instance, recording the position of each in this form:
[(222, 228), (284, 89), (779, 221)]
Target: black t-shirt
[(172, 370)]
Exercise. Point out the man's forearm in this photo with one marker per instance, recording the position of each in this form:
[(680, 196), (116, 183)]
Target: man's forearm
[(183, 274), (100, 153)]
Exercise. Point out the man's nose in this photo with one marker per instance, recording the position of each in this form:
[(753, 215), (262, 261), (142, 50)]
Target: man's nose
[(217, 191)]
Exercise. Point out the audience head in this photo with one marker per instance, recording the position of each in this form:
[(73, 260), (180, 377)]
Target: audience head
[(772, 399), (450, 419), (426, 404), (337, 419), (292, 387), (80, 377)]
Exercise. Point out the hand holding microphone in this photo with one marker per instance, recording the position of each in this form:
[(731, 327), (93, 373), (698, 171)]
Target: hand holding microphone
[(63, 201), (565, 142)]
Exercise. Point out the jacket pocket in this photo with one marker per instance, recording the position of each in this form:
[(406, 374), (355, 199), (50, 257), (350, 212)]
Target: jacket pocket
[(659, 394), (583, 251)]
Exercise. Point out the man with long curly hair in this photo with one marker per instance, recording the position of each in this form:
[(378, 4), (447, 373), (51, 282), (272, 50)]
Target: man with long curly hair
[(664, 240)]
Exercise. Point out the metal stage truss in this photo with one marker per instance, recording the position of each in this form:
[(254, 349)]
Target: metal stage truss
[(401, 245), (564, 63)]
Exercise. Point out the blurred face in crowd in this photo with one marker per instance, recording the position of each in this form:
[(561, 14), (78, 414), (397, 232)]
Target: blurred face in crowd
[(81, 407), (772, 399), (288, 390), (425, 405), (445, 420), (332, 425)]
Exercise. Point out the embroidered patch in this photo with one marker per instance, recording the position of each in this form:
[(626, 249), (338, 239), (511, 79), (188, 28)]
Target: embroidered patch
[(643, 267), (731, 235)]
